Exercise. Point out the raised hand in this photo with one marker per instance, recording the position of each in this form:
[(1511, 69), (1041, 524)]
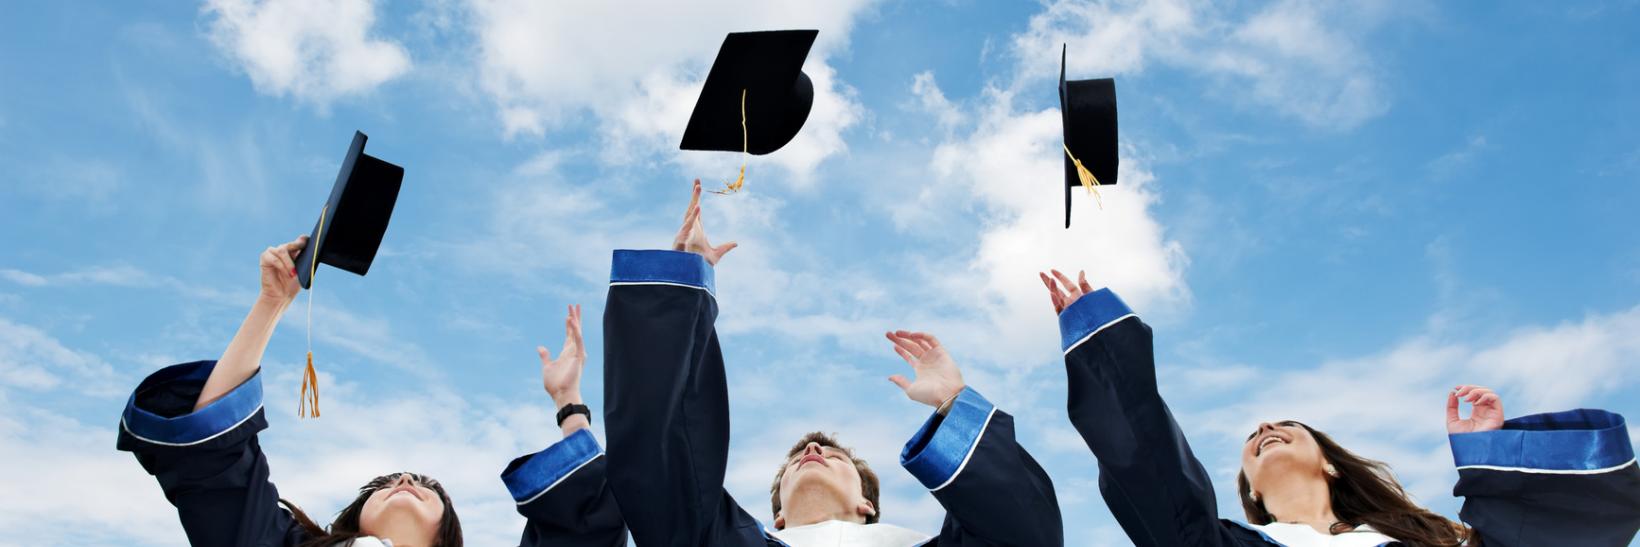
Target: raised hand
[(937, 377), (1487, 414), (692, 235), (279, 282), (1063, 297), (561, 377)]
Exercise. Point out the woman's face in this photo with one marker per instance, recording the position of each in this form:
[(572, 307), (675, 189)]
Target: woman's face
[(404, 499), (1278, 448)]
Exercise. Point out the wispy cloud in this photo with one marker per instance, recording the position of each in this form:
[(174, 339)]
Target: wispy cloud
[(1305, 60), (313, 50)]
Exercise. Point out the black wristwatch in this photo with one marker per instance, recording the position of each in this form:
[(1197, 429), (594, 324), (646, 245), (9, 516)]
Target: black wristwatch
[(573, 408)]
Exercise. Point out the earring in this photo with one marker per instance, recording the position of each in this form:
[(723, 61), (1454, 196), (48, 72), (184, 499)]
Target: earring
[(1331, 471), (1252, 496)]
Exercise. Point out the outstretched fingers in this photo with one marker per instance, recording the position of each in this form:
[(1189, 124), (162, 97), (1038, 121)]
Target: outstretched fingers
[(1054, 293), (906, 346), (901, 381), (1069, 286)]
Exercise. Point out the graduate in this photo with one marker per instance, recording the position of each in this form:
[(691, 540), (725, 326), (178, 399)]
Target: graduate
[(194, 427), (561, 491), (668, 425), (1563, 478)]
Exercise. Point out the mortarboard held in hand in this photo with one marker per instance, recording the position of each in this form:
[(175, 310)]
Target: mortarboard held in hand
[(349, 232), (756, 96), (1088, 109), (354, 219)]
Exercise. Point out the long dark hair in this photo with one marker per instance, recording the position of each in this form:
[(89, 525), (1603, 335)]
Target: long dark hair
[(1366, 492), (346, 526)]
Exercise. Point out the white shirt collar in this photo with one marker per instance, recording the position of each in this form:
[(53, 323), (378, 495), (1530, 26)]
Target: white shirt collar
[(837, 533)]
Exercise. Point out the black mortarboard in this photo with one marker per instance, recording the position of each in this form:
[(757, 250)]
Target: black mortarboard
[(351, 225), (768, 67), (1088, 108)]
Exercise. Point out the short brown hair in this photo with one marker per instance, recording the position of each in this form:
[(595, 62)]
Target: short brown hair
[(868, 479)]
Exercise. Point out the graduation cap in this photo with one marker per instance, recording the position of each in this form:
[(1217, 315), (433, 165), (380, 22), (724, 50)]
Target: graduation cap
[(756, 96), (352, 223), (1088, 109), (349, 232)]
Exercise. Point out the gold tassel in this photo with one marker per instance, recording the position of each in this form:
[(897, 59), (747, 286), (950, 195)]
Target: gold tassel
[(310, 378), (745, 147), (1088, 180)]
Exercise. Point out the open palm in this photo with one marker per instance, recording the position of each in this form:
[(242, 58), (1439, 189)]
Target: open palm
[(562, 376), (937, 377)]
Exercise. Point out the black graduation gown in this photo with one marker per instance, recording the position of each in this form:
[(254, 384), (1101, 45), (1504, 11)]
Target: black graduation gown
[(563, 494), (211, 467), (208, 461), (1549, 479), (667, 417)]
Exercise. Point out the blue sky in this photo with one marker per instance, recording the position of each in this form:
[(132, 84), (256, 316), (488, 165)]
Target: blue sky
[(1329, 212)]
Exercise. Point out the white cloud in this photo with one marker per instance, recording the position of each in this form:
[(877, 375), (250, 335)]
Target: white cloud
[(1011, 166), (932, 100), (33, 360), (1302, 59), (75, 487), (1451, 163), (549, 66), (123, 275), (312, 50)]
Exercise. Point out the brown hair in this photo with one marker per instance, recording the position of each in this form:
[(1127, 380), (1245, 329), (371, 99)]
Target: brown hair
[(346, 526), (868, 479), (1366, 492)]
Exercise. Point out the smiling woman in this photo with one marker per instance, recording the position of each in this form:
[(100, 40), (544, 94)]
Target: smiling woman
[(397, 505), (1564, 478), (195, 428)]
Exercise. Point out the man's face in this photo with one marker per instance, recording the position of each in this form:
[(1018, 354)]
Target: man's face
[(820, 471)]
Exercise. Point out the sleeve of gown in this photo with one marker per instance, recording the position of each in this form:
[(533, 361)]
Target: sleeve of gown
[(667, 404), (993, 492), (207, 461), (1148, 476), (1562, 478), (564, 496)]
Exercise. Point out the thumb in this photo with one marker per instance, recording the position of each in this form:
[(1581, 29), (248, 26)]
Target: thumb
[(1451, 406), (905, 385), (546, 356), (725, 248)]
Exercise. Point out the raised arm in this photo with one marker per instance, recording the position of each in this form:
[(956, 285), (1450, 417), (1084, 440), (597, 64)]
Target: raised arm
[(1148, 476), (562, 491), (1561, 478), (667, 403), (993, 492), (193, 427), (243, 357)]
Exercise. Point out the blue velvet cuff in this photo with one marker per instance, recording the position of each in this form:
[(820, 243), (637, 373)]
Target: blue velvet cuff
[(1573, 441), (942, 446), (1088, 315), (660, 267), (530, 476), (183, 426)]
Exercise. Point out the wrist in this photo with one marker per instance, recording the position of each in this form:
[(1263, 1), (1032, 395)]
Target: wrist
[(944, 405), (564, 398), (271, 302)]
